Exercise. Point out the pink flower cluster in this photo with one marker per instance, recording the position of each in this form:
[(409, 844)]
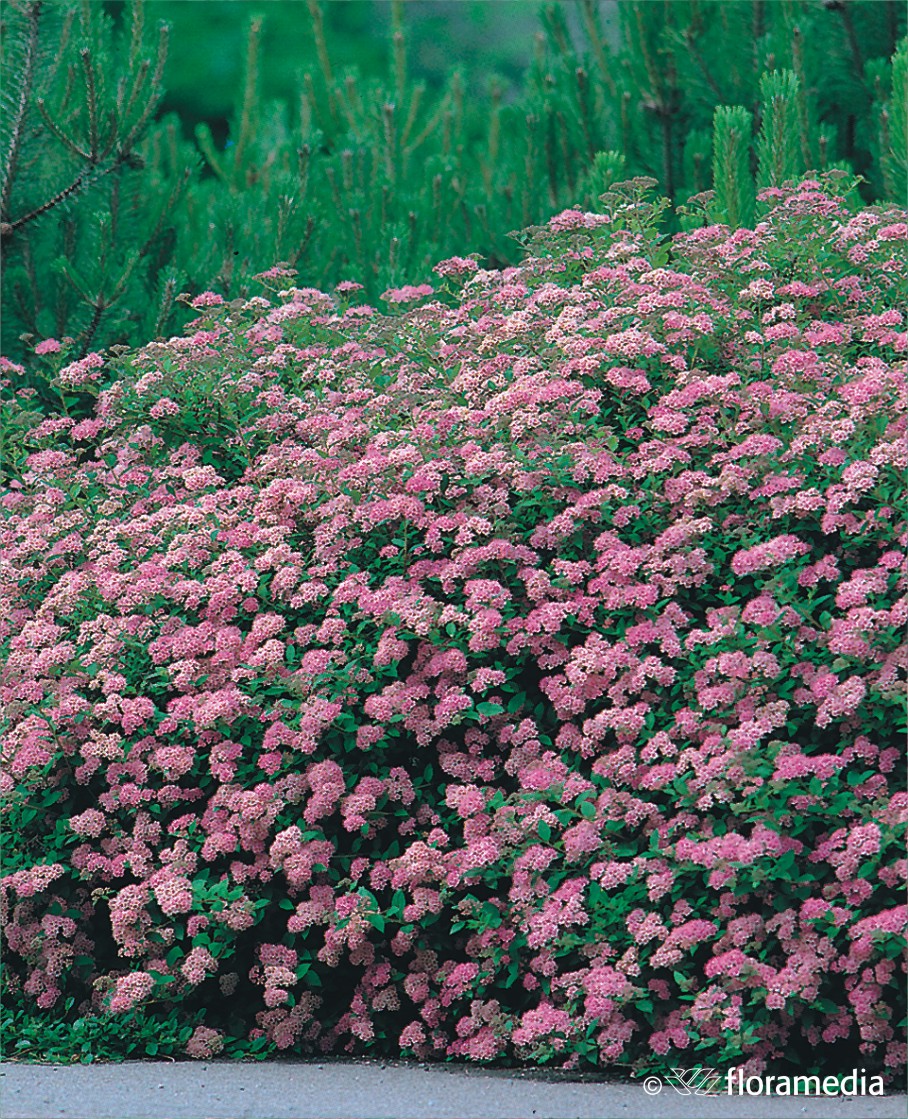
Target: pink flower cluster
[(515, 677)]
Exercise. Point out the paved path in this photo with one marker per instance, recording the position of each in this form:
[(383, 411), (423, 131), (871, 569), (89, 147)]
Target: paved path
[(371, 1090)]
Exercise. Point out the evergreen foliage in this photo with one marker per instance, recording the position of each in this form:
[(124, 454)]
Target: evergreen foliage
[(893, 142), (782, 140), (88, 217), (732, 129), (107, 213)]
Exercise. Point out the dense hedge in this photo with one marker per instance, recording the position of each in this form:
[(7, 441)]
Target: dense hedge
[(512, 674)]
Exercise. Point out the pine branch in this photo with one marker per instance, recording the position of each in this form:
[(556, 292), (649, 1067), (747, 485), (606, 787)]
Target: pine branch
[(778, 148), (33, 16), (138, 26), (894, 126), (165, 306), (732, 182), (250, 97), (590, 14), (10, 227), (206, 143), (91, 104), (61, 307), (842, 7), (690, 39), (81, 181), (141, 74), (128, 142), (66, 141), (61, 49)]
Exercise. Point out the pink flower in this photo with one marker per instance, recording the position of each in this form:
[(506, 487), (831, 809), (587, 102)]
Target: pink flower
[(205, 1043), (80, 373), (89, 823), (456, 266), (541, 1023), (206, 299), (577, 219), (407, 294), (581, 839), (130, 990), (771, 554), (164, 407)]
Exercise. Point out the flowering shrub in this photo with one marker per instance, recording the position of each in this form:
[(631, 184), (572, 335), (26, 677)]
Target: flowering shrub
[(514, 676)]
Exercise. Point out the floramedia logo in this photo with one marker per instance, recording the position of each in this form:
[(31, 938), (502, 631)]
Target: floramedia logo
[(687, 1082), (708, 1082)]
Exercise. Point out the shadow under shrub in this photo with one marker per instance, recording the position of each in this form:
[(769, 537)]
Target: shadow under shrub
[(516, 677)]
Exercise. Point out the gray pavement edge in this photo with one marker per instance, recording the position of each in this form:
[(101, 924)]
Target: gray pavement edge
[(375, 1090)]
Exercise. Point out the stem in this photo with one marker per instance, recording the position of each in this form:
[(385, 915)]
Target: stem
[(63, 403)]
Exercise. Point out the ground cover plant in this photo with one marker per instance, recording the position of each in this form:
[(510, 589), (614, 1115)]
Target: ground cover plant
[(511, 673)]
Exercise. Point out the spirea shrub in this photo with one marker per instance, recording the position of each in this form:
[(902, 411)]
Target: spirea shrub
[(512, 674)]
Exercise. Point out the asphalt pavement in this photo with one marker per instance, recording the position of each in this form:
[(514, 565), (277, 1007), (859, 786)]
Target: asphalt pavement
[(375, 1090)]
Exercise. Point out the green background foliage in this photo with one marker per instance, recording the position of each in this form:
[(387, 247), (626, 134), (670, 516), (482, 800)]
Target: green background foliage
[(365, 141)]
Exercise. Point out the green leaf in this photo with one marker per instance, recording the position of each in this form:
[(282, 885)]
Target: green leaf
[(516, 702)]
